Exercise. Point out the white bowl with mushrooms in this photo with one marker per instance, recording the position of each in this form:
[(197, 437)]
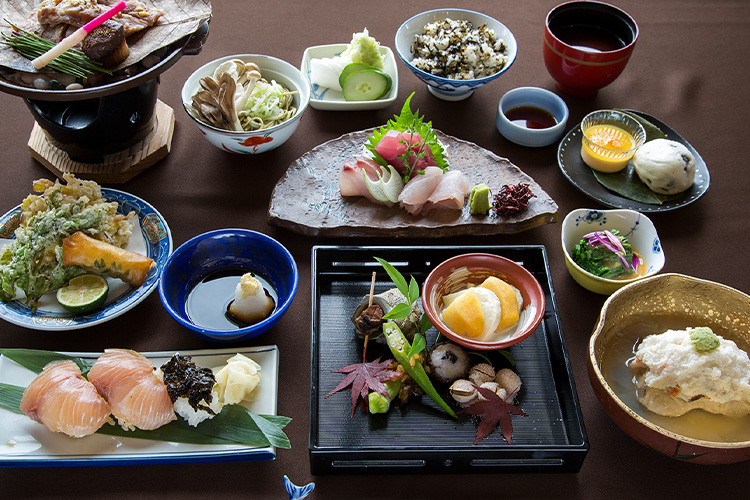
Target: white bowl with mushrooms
[(246, 103)]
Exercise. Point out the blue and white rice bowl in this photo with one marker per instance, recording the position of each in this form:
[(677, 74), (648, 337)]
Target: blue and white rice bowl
[(257, 141), (450, 89)]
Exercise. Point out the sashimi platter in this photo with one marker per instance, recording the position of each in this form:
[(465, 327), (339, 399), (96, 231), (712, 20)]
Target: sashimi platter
[(407, 179)]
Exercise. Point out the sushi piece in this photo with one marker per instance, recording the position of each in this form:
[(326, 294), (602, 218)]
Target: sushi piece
[(251, 302), (136, 395), (64, 401), (191, 389)]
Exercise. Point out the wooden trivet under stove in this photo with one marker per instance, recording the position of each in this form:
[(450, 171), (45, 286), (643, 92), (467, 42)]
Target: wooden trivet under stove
[(116, 167)]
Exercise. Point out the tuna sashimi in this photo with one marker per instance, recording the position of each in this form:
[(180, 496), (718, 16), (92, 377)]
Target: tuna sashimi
[(64, 401), (451, 192), (352, 182), (393, 145), (137, 397), (417, 191)]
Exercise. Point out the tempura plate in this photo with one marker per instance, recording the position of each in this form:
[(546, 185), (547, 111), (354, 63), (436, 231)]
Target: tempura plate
[(25, 443), (151, 237)]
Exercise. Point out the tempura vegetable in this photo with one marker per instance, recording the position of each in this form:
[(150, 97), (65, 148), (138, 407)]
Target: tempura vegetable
[(32, 262), (100, 257)]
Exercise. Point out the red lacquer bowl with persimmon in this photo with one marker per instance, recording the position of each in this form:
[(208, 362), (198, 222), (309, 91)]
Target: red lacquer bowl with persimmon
[(471, 269)]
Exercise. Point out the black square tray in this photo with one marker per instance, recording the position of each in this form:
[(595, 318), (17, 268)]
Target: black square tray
[(421, 438)]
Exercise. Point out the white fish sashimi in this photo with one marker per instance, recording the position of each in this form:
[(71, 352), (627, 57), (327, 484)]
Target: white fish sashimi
[(418, 190), (450, 193), (352, 182)]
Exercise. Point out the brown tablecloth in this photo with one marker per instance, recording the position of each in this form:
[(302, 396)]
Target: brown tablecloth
[(689, 69)]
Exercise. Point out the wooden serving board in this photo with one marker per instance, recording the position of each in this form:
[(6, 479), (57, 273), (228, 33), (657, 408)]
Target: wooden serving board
[(307, 199), (116, 168)]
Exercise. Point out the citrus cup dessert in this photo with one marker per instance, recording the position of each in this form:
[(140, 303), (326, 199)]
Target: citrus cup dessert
[(610, 139)]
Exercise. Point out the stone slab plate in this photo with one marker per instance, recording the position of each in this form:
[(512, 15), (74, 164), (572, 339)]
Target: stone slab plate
[(307, 199)]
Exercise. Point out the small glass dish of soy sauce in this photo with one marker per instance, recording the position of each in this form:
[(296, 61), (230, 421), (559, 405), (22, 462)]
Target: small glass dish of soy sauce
[(531, 116)]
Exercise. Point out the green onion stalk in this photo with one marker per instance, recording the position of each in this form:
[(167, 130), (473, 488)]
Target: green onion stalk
[(72, 62)]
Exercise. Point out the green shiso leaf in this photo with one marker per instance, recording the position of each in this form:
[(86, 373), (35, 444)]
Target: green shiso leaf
[(405, 122), (235, 424)]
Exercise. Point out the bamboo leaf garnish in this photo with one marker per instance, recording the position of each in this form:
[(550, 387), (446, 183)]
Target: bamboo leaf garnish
[(401, 310), (396, 276), (10, 397), (35, 360)]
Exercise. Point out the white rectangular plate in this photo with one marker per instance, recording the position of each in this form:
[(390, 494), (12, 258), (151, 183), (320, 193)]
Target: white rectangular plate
[(25, 443)]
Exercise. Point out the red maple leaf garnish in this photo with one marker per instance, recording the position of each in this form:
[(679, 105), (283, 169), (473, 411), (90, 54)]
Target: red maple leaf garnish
[(366, 377), (494, 410)]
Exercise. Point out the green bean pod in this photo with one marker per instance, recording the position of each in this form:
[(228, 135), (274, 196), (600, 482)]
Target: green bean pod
[(400, 348)]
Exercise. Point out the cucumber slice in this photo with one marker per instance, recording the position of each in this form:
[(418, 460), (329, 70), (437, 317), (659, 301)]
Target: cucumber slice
[(366, 85), (351, 68)]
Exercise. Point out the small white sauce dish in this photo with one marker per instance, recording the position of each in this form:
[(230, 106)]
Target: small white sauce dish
[(538, 98), (327, 99)]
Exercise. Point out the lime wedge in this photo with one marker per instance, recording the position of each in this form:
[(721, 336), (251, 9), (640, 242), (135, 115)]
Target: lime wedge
[(83, 294)]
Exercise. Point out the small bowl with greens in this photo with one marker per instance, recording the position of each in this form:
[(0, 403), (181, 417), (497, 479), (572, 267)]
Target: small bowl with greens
[(607, 249)]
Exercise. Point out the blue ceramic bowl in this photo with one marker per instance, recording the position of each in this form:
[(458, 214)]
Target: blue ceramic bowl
[(224, 250), (447, 88), (538, 98)]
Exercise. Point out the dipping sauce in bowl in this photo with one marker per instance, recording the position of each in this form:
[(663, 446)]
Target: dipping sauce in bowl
[(531, 117), (610, 139)]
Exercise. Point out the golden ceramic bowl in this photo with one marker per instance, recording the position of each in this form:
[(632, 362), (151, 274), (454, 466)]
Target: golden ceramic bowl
[(700, 302)]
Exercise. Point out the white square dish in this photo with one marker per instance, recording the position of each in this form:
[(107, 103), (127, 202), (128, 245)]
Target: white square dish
[(332, 100)]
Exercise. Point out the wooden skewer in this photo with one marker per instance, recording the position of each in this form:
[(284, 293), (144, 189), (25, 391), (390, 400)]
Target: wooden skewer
[(367, 335)]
